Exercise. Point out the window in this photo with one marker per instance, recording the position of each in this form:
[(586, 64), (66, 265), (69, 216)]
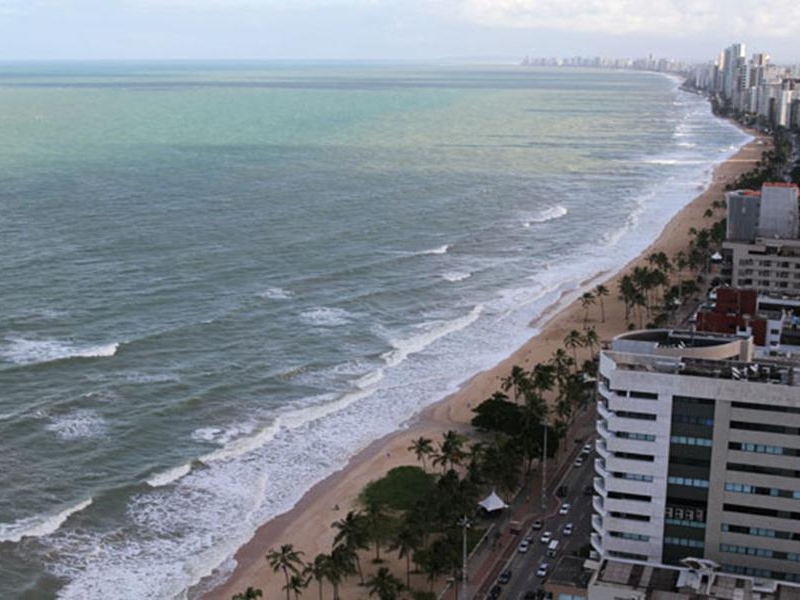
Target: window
[(688, 482), (745, 468), (634, 456), (686, 542), (634, 477), (644, 395), (766, 407), (692, 420), (763, 449), (624, 496), (743, 488), (627, 414), (629, 516), (642, 437), (747, 426), (690, 441), (628, 555), (685, 523), (629, 536)]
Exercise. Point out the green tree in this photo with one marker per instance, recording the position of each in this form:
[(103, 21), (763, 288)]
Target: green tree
[(352, 533), (377, 525), (517, 381), (285, 559), (384, 585), (573, 341), (250, 593), (451, 450), (340, 565), (296, 584), (590, 340), (318, 569), (600, 291), (587, 299), (422, 447), (406, 540)]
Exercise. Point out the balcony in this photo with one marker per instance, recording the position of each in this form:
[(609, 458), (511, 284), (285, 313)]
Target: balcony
[(600, 486), (600, 467), (602, 429), (602, 449), (598, 505), (597, 523), (597, 543), (603, 411)]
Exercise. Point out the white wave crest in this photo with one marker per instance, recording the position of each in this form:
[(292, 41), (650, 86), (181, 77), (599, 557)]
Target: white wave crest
[(169, 476), (240, 446), (77, 425), (27, 352), (275, 293), (671, 162), (454, 276), (39, 525), (439, 250), (432, 332), (323, 316), (548, 214)]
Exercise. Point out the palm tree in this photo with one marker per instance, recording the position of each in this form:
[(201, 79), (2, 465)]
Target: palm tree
[(574, 340), (250, 593), (422, 447), (340, 564), (590, 340), (286, 559), (352, 533), (517, 381), (406, 540), (599, 292), (384, 585), (586, 301), (376, 520), (451, 450), (628, 293), (318, 570), (296, 584)]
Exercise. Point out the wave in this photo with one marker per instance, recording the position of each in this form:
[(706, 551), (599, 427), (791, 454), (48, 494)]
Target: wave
[(434, 331), (438, 250), (454, 276), (169, 476), (242, 445), (39, 525), (21, 351), (324, 316), (275, 293), (672, 161), (548, 214)]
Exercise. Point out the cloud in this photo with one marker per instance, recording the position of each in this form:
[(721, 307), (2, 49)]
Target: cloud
[(618, 17)]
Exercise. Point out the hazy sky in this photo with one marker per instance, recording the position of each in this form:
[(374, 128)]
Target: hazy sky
[(393, 29)]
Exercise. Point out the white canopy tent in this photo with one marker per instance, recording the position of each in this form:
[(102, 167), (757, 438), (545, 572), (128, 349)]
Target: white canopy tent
[(492, 502)]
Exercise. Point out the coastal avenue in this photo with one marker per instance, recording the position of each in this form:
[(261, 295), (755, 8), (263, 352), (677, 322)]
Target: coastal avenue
[(525, 565)]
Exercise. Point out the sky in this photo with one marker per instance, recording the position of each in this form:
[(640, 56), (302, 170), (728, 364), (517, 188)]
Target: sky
[(501, 30)]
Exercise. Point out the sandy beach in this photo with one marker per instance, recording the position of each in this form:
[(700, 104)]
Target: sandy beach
[(308, 525)]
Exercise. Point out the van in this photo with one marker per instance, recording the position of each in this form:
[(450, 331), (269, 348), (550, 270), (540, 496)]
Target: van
[(552, 548)]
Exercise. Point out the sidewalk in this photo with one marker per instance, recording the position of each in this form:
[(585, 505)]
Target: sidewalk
[(489, 560)]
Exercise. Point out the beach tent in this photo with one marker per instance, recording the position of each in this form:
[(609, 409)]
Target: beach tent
[(492, 502), (716, 257)]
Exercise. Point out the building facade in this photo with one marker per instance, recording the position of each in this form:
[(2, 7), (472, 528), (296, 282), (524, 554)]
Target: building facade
[(698, 454)]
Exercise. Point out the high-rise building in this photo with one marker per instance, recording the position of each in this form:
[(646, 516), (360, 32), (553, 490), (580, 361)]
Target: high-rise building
[(698, 454)]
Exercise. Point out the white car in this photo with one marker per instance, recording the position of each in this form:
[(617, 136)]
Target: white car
[(564, 508), (542, 571), (578, 462), (587, 449), (523, 547), (567, 529), (546, 537)]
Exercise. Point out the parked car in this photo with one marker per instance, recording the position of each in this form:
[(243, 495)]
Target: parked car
[(523, 547), (494, 593), (542, 570), (564, 508), (538, 524), (505, 576), (578, 462), (568, 529), (587, 449), (562, 491), (546, 537)]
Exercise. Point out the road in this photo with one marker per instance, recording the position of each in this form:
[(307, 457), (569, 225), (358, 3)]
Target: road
[(524, 566)]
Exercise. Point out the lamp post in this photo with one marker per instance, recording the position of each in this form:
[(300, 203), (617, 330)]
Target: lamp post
[(464, 522)]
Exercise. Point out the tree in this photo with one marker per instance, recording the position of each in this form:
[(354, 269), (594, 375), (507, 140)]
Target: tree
[(498, 414), (407, 538), (352, 533), (340, 564), (318, 570), (384, 585), (377, 525), (296, 584), (586, 301), (599, 292), (516, 381), (250, 593), (451, 450), (286, 559), (573, 341), (590, 340), (422, 447)]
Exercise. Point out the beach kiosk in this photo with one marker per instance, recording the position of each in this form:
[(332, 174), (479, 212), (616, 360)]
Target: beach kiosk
[(492, 503)]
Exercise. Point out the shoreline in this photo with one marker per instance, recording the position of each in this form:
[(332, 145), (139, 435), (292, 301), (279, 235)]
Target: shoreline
[(307, 524)]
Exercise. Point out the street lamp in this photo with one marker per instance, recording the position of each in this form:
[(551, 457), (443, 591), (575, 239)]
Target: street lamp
[(544, 465), (465, 523)]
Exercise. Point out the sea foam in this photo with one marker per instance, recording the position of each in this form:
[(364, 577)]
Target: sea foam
[(22, 351), (548, 214)]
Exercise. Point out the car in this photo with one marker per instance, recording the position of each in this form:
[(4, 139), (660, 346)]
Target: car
[(538, 524), (578, 462), (564, 508), (587, 449), (562, 491), (567, 529), (523, 547), (542, 570), (546, 537), (494, 593), (529, 595), (588, 490), (505, 576)]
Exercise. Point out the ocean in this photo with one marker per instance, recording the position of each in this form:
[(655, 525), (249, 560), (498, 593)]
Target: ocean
[(219, 281)]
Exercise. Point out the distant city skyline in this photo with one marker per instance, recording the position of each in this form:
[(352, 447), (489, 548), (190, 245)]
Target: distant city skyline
[(504, 30)]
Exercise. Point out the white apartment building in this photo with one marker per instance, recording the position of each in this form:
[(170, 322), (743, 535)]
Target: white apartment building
[(698, 454)]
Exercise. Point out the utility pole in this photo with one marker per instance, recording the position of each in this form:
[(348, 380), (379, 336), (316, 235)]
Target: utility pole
[(465, 523)]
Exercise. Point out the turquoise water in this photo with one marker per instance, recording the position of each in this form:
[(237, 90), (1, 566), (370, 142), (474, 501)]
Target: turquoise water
[(218, 282)]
